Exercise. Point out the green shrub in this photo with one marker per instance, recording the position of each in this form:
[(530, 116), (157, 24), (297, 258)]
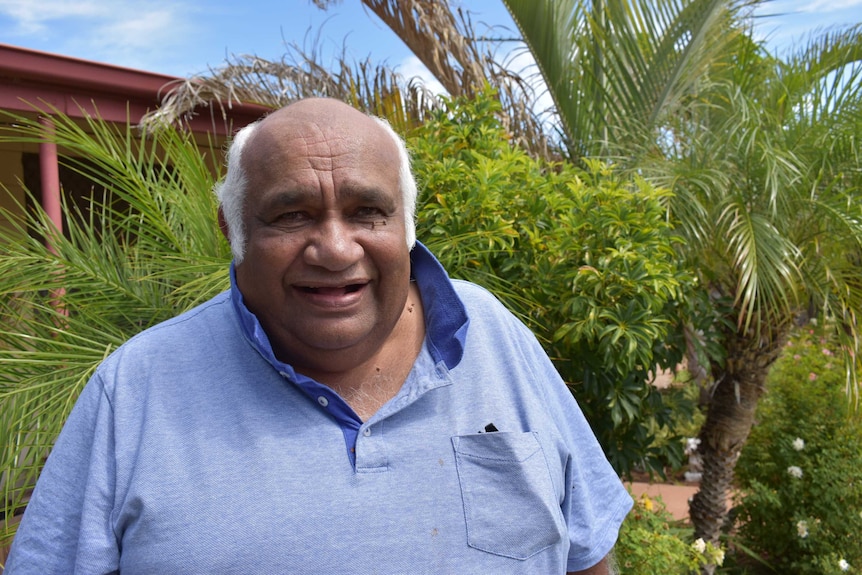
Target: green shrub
[(584, 257), (800, 474), (649, 542)]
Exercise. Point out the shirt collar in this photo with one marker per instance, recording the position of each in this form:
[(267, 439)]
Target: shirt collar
[(446, 318)]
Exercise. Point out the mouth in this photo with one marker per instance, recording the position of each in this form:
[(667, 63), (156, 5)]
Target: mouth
[(332, 290)]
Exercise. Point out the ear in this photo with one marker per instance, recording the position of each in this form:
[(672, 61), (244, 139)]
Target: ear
[(222, 224)]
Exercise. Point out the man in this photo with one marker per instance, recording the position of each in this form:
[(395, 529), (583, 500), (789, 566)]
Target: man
[(344, 408)]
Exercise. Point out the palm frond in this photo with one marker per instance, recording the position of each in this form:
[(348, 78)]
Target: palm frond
[(617, 68), (446, 44), (272, 84)]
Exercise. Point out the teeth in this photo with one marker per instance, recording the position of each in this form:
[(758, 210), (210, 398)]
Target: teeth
[(350, 288)]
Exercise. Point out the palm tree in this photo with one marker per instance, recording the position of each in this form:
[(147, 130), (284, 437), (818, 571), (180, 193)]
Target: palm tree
[(765, 169), (762, 156)]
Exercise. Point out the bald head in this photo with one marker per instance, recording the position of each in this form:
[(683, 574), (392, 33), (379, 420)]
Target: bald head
[(260, 143), (323, 112)]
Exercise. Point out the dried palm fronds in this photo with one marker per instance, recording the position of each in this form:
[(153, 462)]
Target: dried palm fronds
[(444, 41)]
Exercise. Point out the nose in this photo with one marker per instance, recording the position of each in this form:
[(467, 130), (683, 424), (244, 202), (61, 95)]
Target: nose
[(333, 246)]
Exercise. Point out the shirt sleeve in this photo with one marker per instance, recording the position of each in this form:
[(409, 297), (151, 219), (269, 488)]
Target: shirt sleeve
[(67, 525), (596, 501)]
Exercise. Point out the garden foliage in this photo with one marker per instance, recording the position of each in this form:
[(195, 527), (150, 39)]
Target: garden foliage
[(800, 474), (651, 541)]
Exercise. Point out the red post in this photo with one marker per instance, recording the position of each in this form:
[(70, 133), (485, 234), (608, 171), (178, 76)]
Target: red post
[(50, 172), (49, 169)]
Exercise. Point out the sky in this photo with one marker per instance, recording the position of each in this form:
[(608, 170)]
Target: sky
[(188, 37)]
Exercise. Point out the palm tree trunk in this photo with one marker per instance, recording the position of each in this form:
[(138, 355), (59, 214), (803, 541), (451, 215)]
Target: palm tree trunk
[(739, 384)]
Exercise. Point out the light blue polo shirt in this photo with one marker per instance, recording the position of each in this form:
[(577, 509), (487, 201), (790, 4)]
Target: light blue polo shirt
[(193, 450)]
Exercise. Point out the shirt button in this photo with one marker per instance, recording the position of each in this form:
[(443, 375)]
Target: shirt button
[(322, 401), (366, 432)]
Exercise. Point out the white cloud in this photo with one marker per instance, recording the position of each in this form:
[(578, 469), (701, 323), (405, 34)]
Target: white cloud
[(821, 6), (32, 17), (785, 24), (412, 67), (138, 35), (143, 29), (129, 33)]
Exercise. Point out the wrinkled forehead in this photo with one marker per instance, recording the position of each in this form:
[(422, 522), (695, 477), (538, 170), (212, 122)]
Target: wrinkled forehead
[(343, 139)]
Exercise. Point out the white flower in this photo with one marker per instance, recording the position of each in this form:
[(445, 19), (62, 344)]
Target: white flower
[(691, 445), (844, 565), (798, 444), (794, 471), (699, 545), (802, 528), (719, 557)]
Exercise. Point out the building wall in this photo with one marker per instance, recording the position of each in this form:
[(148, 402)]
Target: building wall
[(11, 178)]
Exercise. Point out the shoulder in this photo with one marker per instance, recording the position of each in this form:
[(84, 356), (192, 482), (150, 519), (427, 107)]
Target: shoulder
[(485, 309), (213, 310), (180, 335), (477, 297), (494, 331)]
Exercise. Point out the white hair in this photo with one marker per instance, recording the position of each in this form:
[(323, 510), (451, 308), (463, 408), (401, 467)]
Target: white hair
[(406, 182), (231, 190)]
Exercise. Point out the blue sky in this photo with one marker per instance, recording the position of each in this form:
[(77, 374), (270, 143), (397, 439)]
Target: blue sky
[(185, 37)]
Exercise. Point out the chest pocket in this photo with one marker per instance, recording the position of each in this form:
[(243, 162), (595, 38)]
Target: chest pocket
[(510, 504)]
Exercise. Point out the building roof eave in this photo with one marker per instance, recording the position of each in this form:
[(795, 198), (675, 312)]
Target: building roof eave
[(30, 80)]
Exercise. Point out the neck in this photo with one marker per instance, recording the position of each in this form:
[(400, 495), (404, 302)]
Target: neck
[(368, 386)]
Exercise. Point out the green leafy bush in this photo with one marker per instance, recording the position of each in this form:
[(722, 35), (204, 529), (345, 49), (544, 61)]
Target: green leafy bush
[(649, 542), (800, 474), (584, 257)]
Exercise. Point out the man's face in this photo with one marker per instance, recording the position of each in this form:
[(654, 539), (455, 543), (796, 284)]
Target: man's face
[(326, 267)]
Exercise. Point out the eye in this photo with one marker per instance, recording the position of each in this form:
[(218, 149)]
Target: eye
[(291, 219), (369, 213), (370, 217)]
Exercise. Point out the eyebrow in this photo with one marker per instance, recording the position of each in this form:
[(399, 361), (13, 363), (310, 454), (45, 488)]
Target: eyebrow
[(283, 198), (358, 194), (374, 196)]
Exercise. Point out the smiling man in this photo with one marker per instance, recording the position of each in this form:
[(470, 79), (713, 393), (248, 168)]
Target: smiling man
[(326, 268), (344, 408)]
